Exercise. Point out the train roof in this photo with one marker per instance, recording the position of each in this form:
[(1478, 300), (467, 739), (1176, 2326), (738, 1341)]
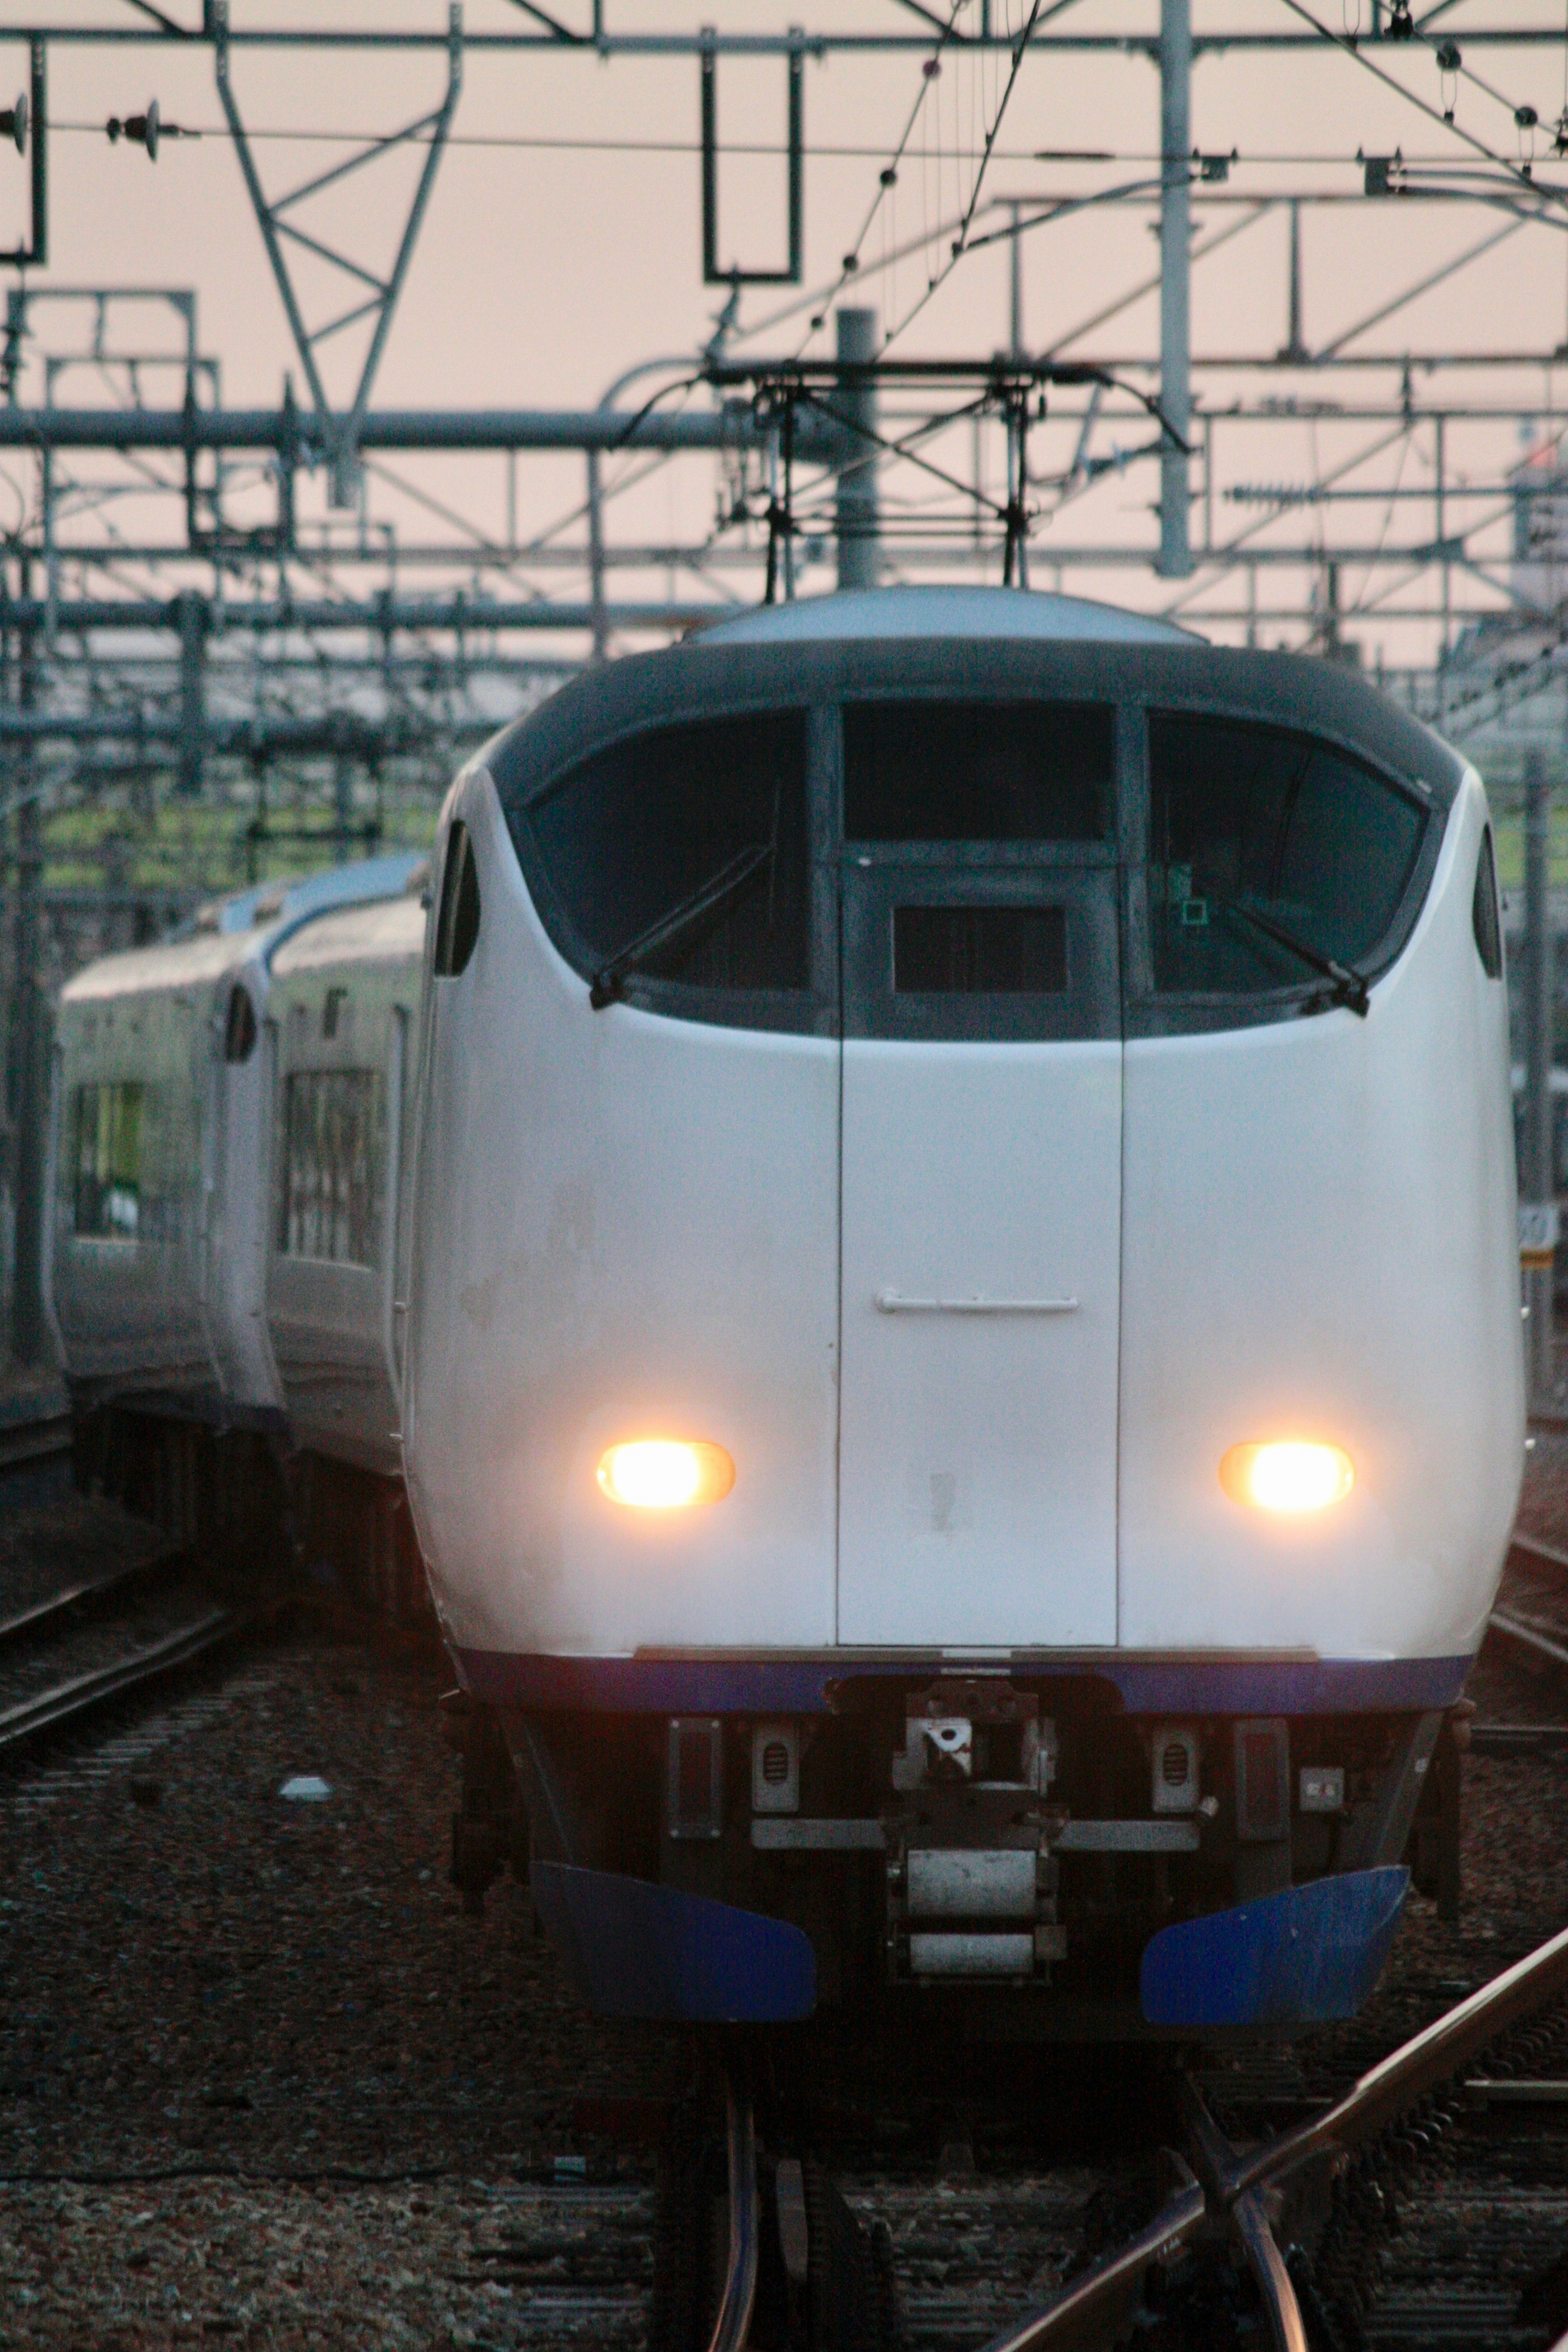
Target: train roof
[(253, 924), (376, 933), (979, 612), (283, 906), (166, 964), (960, 644)]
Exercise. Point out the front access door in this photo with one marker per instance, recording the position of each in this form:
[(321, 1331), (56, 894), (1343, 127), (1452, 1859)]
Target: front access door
[(980, 1244)]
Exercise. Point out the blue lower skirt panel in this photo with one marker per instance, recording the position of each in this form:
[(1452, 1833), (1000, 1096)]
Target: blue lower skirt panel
[(634, 1949), (1306, 1957), (753, 1684)]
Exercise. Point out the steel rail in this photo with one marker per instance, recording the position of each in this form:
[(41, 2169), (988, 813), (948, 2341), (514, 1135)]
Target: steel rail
[(1531, 1547), (50, 1709), (1229, 2190), (41, 1613), (733, 2323), (22, 1442), (1408, 2072), (1286, 2328), (1527, 1637), (1090, 2311), (1249, 2222)]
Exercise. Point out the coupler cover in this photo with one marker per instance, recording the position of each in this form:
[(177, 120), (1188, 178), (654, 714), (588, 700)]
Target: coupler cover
[(635, 1949), (1304, 1957)]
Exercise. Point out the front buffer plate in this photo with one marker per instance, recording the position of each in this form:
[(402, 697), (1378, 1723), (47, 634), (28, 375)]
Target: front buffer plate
[(634, 1949), (1306, 1957)]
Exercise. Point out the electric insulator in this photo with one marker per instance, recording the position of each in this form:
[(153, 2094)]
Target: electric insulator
[(144, 130)]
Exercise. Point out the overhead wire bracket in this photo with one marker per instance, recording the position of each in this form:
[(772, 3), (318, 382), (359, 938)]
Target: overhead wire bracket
[(27, 125), (712, 274)]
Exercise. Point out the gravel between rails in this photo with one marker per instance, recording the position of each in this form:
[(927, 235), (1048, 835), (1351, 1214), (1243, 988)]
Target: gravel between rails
[(262, 2082), (215, 2006)]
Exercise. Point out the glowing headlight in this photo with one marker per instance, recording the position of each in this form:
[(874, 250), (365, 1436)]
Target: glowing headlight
[(656, 1473), (1289, 1477)]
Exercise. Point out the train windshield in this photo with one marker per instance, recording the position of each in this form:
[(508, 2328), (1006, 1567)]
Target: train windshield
[(689, 867), (1262, 844), (1016, 772), (681, 853)]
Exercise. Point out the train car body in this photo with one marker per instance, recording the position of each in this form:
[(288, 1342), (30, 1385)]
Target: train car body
[(342, 1011), (154, 1248), (964, 1397), (226, 1120)]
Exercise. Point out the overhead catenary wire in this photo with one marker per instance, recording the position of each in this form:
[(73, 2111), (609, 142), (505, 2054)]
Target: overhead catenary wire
[(1519, 172), (959, 245), (887, 177), (840, 150)]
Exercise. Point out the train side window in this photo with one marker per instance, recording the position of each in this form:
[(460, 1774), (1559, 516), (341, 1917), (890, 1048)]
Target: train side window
[(457, 921), (107, 1137), (679, 856), (977, 770), (1484, 919), (239, 1024), (1269, 852), (333, 1156)]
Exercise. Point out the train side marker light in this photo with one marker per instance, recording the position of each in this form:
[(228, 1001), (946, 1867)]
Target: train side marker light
[(1290, 1478), (656, 1473)]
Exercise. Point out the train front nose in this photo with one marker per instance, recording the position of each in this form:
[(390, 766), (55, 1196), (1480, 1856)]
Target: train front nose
[(980, 992)]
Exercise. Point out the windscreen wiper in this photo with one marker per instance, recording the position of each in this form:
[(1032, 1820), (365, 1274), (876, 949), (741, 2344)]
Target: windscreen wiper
[(1348, 987), (710, 899)]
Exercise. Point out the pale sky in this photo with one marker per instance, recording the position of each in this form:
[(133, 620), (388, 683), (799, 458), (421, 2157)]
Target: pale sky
[(545, 270)]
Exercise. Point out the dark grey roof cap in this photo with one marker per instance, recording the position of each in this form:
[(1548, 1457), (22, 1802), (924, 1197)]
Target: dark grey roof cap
[(714, 679)]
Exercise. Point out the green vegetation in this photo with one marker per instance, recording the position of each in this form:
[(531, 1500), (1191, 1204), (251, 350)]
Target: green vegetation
[(1509, 830), (142, 836)]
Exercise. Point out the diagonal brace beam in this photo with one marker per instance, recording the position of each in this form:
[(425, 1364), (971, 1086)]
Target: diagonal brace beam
[(367, 154), (329, 252)]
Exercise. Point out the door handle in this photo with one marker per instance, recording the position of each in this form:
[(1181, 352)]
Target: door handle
[(893, 1302)]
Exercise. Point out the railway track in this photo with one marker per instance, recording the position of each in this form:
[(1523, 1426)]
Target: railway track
[(26, 1442), (100, 1634), (1282, 2227), (143, 1659), (1543, 1636), (1424, 2205)]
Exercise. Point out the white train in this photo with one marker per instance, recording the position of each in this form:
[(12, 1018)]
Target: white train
[(963, 1386), (955, 1324), (231, 1113)]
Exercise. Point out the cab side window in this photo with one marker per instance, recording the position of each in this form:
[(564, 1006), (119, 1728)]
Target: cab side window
[(239, 1024), (334, 1166), (458, 918), (107, 1153), (1484, 918)]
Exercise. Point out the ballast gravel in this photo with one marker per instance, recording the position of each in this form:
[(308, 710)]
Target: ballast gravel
[(262, 2078), (263, 2082)]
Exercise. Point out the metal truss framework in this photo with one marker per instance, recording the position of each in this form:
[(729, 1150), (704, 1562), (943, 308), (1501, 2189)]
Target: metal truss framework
[(272, 214), (906, 28), (204, 677)]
